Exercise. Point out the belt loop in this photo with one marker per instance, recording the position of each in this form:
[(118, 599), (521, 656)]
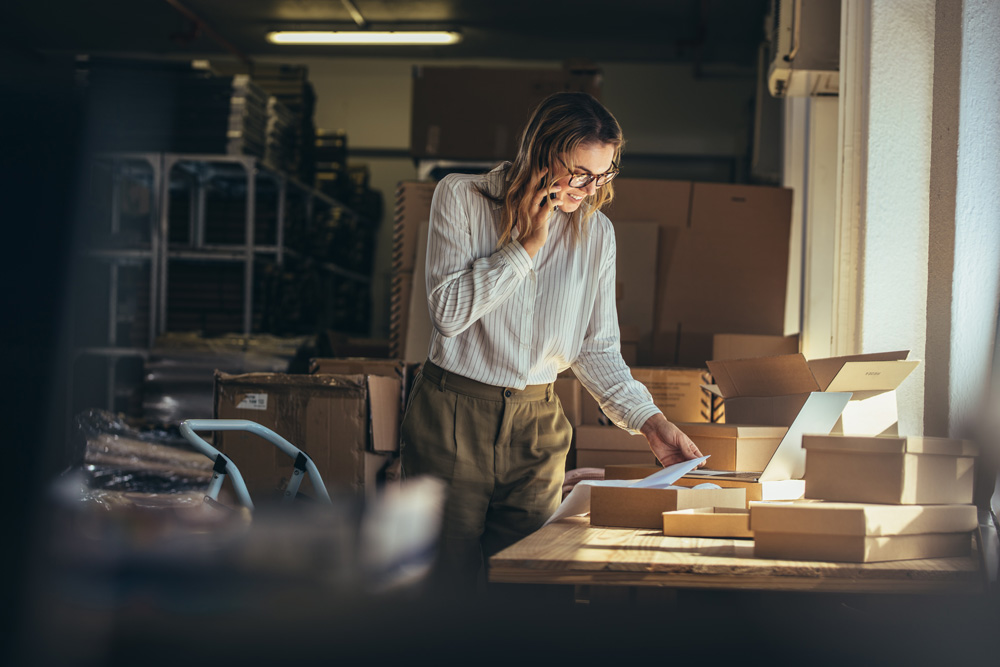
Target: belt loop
[(442, 380), (548, 392)]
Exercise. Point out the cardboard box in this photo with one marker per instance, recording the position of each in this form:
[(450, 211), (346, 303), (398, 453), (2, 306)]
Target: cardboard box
[(478, 113), (740, 231), (861, 533), (735, 447), (719, 522), (745, 346), (889, 469), (347, 424), (629, 507), (788, 489), (394, 368), (678, 392), (601, 458), (772, 390)]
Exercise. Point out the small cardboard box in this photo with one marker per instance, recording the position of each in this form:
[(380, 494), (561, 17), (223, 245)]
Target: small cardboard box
[(772, 390), (861, 533), (347, 424), (629, 507), (889, 469), (733, 446), (722, 522), (678, 392), (599, 446), (787, 489)]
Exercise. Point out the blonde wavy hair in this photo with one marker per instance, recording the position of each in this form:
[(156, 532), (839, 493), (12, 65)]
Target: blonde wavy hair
[(559, 125)]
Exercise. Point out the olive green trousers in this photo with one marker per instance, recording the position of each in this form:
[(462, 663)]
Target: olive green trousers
[(502, 453)]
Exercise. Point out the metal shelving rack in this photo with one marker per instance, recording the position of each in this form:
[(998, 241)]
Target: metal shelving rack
[(157, 252)]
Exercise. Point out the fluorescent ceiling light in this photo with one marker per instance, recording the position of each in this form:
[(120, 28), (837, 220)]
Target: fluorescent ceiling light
[(368, 37)]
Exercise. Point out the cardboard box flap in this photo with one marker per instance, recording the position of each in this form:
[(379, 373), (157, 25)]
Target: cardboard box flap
[(695, 429), (882, 444), (353, 386), (826, 370), (865, 378), (822, 518), (763, 376), (383, 411)]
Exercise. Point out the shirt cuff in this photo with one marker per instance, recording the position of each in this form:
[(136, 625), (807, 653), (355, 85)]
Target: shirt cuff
[(639, 416), (517, 257)]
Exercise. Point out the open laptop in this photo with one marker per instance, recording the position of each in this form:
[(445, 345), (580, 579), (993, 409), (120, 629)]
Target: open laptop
[(819, 414)]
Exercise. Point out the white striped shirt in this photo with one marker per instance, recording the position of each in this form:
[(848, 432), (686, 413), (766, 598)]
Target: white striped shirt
[(506, 320)]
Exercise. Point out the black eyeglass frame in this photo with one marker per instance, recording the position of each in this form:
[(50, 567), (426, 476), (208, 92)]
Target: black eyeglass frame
[(608, 176)]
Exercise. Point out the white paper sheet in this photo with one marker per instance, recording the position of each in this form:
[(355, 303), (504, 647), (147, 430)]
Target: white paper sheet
[(578, 500)]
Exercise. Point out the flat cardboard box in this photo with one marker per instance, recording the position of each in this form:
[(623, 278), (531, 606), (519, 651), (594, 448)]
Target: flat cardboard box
[(629, 507), (678, 392), (601, 458), (478, 113), (861, 533), (338, 420), (771, 390), (718, 522), (788, 489), (730, 241), (889, 469), (735, 447), (745, 346), (610, 438)]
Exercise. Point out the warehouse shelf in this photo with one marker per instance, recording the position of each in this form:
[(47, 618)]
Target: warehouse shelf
[(151, 215)]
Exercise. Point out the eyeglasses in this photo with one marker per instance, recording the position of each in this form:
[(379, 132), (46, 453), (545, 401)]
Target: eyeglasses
[(583, 180)]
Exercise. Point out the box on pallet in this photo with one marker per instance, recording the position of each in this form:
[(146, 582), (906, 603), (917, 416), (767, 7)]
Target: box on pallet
[(889, 469), (347, 424), (861, 533)]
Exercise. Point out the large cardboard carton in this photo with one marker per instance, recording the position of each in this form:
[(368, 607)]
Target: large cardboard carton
[(786, 489), (772, 390), (735, 447), (889, 469), (678, 392), (347, 424), (630, 507), (745, 346), (861, 533), (478, 113), (740, 231), (721, 522)]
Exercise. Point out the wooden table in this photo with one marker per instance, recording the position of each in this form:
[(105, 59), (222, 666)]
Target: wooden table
[(572, 552)]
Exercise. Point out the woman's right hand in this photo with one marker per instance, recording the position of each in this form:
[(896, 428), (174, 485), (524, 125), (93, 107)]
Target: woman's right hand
[(543, 203)]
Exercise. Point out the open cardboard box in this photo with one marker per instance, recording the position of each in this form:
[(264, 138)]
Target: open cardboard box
[(889, 469), (772, 390), (722, 522), (861, 533), (788, 489), (734, 447), (347, 424), (630, 507)]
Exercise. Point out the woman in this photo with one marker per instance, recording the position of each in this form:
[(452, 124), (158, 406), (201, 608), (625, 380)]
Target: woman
[(521, 285)]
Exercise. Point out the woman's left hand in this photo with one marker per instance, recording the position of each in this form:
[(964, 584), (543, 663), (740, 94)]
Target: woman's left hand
[(669, 443)]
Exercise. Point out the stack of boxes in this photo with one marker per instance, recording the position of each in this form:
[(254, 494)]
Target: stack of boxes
[(878, 498)]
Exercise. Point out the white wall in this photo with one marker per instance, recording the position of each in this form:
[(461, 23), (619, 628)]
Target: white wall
[(893, 272), (976, 278)]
